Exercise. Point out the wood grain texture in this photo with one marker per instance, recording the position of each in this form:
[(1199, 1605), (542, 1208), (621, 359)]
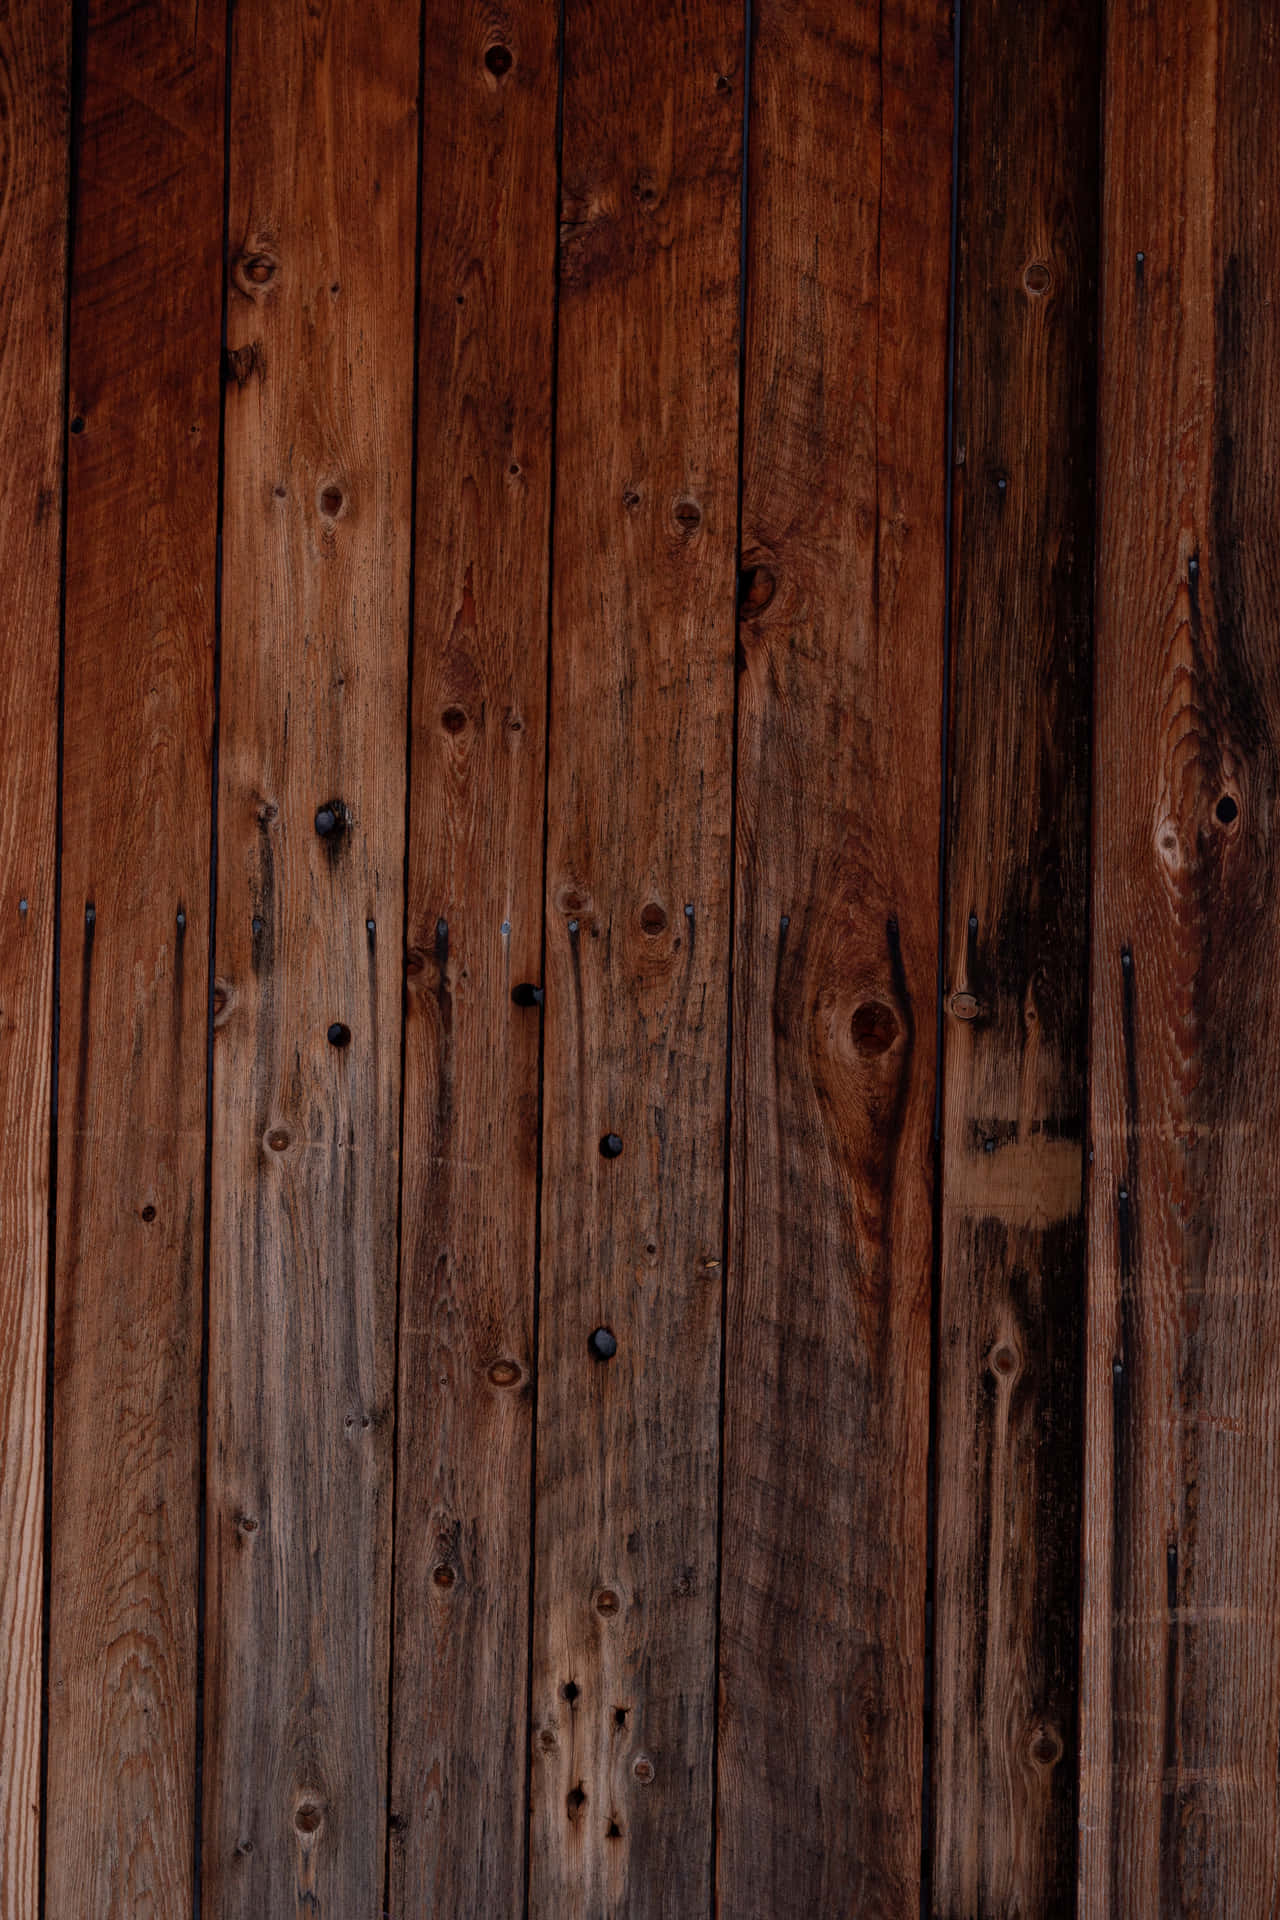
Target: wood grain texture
[(1181, 1702), (323, 195), (34, 62), (637, 960), (474, 935), (827, 1383), (1011, 1311), (138, 722)]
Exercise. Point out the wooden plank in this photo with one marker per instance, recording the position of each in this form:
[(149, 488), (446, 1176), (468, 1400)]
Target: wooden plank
[(637, 960), (1181, 1700), (323, 210), (138, 720), (838, 794), (34, 74), (474, 936), (1011, 1315)]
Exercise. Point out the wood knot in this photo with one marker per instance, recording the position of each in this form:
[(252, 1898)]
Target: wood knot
[(278, 1139), (308, 1817), (1038, 278), (505, 1373), (653, 918), (756, 588), (575, 1802), (643, 1769), (1046, 1746), (498, 60), (1004, 1361), (256, 270), (688, 516), (965, 1006), (874, 1027), (607, 1601)]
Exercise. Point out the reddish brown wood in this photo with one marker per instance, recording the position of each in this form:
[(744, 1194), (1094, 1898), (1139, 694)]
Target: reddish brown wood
[(827, 1383), (1181, 1696), (474, 936), (34, 55), (323, 151), (1011, 1311), (637, 961), (141, 575)]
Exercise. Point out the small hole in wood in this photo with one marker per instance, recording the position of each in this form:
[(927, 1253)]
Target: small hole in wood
[(148, 1213), (570, 1691), (498, 60), (1226, 810)]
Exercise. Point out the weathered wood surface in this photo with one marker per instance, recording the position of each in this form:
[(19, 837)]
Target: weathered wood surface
[(142, 506), (1181, 1703), (493, 1622), (34, 72), (306, 1108), (838, 795), (459, 1777), (637, 953), (1011, 1288)]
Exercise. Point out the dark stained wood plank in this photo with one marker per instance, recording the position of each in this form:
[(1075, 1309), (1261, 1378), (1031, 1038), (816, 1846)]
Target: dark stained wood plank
[(1011, 1315), (141, 577), (1181, 1700), (637, 960), (474, 937), (34, 63), (323, 213), (838, 794)]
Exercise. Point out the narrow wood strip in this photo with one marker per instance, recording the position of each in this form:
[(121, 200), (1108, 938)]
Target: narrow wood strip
[(323, 211), (838, 795), (1181, 1696), (637, 961), (141, 573), (34, 74), (474, 940), (1011, 1316)]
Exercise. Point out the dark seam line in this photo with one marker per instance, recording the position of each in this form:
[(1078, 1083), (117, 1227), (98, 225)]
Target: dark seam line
[(935, 1283), (411, 651), (77, 52), (726, 1203), (207, 1228), (536, 1320)]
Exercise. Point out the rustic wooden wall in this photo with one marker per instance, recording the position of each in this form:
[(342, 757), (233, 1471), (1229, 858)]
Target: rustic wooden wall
[(639, 942)]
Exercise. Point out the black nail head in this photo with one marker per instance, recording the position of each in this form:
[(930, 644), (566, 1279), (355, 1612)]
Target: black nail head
[(611, 1145), (527, 995), (327, 820), (339, 1036), (77, 424), (601, 1344)]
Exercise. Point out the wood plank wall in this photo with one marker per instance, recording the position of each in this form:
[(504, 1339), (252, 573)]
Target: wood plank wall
[(638, 959)]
